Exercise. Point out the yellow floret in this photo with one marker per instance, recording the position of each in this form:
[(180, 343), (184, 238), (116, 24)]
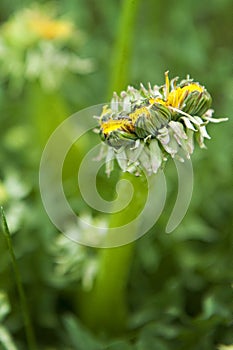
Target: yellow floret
[(140, 111), (113, 125), (176, 97)]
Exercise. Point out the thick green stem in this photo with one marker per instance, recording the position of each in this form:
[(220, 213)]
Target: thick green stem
[(105, 307), (22, 296)]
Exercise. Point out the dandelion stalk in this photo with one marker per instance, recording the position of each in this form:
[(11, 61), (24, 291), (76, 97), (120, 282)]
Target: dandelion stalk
[(109, 292), (22, 296)]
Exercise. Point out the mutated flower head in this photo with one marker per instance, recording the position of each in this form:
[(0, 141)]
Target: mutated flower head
[(36, 44), (141, 128)]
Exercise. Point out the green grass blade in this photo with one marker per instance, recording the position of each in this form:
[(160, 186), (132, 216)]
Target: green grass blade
[(22, 297)]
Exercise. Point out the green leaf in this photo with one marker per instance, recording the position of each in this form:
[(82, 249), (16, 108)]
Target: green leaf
[(118, 345), (80, 338)]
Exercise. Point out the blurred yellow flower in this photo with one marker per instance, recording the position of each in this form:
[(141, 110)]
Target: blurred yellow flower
[(48, 28), (36, 44), (34, 24)]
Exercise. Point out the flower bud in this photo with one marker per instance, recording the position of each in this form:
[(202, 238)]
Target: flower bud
[(197, 101), (150, 119), (117, 133)]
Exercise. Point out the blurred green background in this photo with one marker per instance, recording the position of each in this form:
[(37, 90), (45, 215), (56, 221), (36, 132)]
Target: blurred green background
[(180, 285)]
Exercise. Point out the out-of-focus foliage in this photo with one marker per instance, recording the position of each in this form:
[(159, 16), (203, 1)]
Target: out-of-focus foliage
[(180, 288), (5, 338)]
